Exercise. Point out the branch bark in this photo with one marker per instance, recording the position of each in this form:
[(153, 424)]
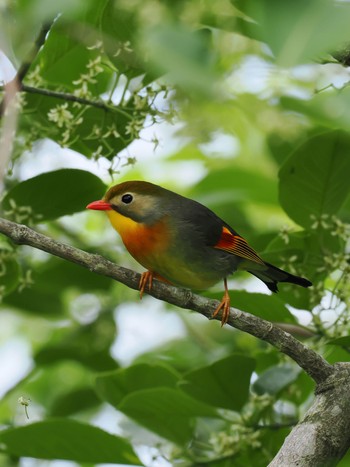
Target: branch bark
[(322, 437)]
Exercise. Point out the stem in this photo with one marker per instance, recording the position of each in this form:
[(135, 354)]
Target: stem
[(72, 98)]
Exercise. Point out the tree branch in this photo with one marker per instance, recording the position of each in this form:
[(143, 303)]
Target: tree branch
[(16, 84), (314, 365), (39, 42), (72, 98), (322, 437), (8, 107)]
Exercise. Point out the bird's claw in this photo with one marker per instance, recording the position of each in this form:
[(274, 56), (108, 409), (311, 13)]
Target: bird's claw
[(225, 306), (145, 280)]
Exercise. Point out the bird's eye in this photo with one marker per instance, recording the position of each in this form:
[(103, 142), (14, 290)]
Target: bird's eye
[(127, 198)]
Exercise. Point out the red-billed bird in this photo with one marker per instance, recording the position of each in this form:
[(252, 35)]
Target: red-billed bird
[(183, 242)]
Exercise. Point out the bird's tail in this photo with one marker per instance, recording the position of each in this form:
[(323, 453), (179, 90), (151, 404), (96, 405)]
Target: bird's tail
[(271, 275)]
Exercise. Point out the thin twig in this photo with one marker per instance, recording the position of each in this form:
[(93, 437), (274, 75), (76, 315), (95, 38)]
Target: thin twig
[(16, 83), (72, 98), (310, 361), (8, 107), (39, 42)]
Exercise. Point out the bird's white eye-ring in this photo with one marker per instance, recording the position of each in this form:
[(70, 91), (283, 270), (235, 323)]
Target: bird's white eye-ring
[(127, 198)]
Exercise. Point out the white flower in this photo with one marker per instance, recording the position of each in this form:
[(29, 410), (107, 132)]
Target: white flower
[(123, 47), (134, 127), (97, 45), (94, 66), (96, 154), (60, 115)]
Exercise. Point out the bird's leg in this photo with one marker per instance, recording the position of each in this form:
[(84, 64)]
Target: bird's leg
[(146, 279), (224, 305)]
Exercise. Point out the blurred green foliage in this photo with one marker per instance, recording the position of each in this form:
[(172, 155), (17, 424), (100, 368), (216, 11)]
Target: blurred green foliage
[(262, 108)]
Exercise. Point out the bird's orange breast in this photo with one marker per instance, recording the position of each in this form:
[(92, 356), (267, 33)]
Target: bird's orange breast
[(145, 243)]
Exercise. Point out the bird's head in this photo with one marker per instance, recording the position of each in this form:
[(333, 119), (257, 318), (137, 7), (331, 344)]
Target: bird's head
[(143, 202)]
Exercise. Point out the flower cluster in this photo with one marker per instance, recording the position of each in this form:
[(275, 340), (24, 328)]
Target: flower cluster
[(134, 126), (33, 77), (284, 233), (60, 115), (26, 281), (21, 214), (237, 438), (93, 68), (65, 119), (123, 47)]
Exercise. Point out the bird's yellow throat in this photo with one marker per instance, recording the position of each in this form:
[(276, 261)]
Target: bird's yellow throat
[(122, 224)]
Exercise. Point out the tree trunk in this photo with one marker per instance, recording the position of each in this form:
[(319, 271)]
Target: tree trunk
[(322, 437)]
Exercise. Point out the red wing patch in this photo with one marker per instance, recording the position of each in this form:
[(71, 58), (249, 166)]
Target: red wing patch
[(237, 245)]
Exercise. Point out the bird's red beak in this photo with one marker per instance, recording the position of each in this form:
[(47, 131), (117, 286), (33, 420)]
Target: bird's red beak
[(99, 205)]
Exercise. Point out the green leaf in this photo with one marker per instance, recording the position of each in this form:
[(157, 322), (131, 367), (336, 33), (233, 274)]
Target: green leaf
[(186, 55), (87, 344), (69, 440), (52, 194), (74, 401), (268, 307), (56, 276), (9, 267), (118, 25), (51, 281), (314, 181), (115, 385), (237, 185), (303, 251), (168, 412), (224, 384), (341, 341), (92, 130), (329, 109), (182, 354), (298, 31), (276, 378), (97, 361), (36, 300), (65, 55)]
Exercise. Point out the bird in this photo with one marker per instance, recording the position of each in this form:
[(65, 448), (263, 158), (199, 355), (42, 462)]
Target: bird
[(180, 241)]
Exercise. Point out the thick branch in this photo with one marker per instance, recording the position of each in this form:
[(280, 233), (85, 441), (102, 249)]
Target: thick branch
[(322, 437), (306, 358)]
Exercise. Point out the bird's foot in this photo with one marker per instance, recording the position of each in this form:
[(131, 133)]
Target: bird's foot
[(145, 280), (224, 305)]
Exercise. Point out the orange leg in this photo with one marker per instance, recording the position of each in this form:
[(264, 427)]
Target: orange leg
[(146, 279), (224, 305)]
